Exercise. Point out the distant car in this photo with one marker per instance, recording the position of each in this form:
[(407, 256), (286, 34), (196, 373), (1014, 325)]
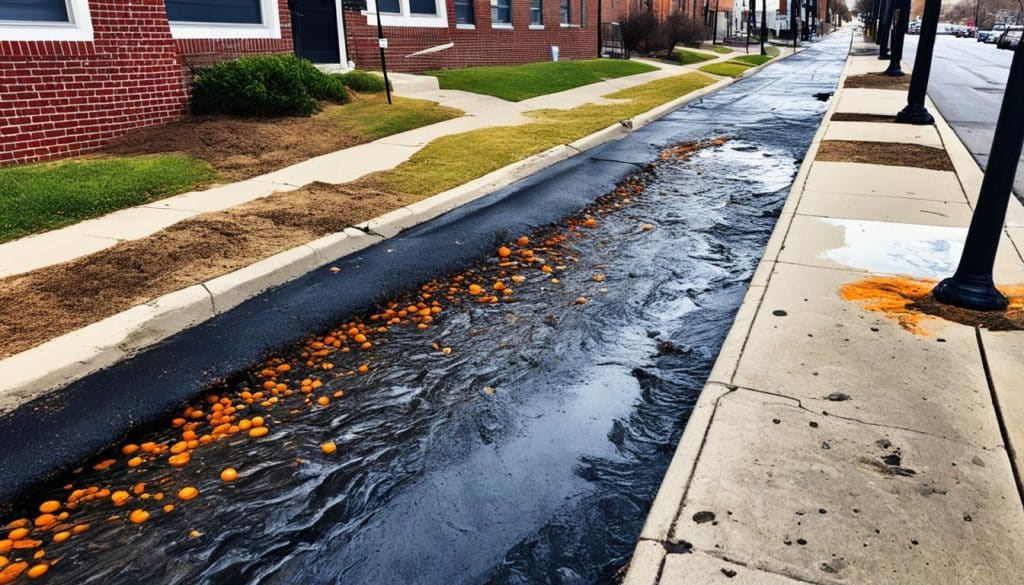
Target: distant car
[(1010, 38), (988, 36)]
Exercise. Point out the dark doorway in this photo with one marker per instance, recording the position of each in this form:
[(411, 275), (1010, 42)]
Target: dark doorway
[(315, 30)]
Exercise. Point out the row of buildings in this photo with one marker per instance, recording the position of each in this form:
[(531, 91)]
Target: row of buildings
[(76, 73)]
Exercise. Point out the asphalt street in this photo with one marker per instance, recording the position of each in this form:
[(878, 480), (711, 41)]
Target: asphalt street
[(967, 83)]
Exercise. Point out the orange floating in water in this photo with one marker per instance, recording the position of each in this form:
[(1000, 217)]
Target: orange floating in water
[(61, 536), (363, 368), (329, 448), (17, 534), (12, 571), (138, 516), (119, 497), (504, 252), (49, 506), (522, 241), (257, 432), (168, 508), (229, 474), (323, 401), (187, 493), (38, 571), (590, 222), (581, 300)]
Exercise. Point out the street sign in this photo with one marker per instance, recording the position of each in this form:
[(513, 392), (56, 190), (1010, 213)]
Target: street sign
[(382, 43)]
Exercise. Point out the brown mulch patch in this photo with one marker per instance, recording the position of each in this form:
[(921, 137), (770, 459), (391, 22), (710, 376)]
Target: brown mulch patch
[(1010, 320), (239, 149), (885, 153), (55, 300), (877, 81), (855, 117)]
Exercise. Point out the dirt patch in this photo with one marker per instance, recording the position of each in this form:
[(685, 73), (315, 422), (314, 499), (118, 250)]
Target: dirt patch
[(885, 153), (52, 301), (910, 302), (240, 148), (877, 81), (855, 117)]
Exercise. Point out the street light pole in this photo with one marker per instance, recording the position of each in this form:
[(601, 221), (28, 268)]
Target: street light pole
[(972, 286), (382, 43), (898, 33), (916, 112), (764, 25), (885, 28)]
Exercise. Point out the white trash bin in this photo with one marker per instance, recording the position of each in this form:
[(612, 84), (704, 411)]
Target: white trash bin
[(554, 53)]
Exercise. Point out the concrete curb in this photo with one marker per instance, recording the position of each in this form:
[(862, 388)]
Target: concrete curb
[(672, 491), (56, 363)]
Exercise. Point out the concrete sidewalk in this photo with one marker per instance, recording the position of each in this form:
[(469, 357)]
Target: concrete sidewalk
[(482, 111), (831, 445)]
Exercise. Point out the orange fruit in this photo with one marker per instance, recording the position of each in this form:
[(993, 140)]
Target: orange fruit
[(187, 493), (17, 534), (329, 448), (229, 474), (504, 252), (138, 516), (135, 462), (257, 421), (522, 241), (581, 300), (12, 571), (38, 571), (363, 368), (119, 497), (179, 460), (61, 536), (323, 401), (129, 449), (168, 508), (49, 506), (257, 432)]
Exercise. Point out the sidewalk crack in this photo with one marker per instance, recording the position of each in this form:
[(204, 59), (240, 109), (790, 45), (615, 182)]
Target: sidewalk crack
[(1008, 446)]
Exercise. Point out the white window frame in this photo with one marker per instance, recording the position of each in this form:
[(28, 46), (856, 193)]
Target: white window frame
[(269, 29), (78, 27), (407, 18)]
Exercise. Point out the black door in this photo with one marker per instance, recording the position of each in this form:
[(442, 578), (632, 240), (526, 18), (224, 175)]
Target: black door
[(315, 30)]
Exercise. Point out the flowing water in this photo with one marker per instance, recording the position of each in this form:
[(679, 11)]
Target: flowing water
[(516, 441)]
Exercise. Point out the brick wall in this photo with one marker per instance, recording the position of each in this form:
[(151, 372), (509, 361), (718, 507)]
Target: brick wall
[(66, 98), (481, 46)]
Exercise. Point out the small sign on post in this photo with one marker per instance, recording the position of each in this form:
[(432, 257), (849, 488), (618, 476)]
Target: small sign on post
[(382, 43)]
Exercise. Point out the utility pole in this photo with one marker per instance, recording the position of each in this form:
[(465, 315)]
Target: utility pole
[(972, 286)]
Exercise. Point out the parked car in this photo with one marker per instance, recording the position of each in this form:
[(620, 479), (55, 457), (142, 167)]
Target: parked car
[(1010, 38), (988, 36)]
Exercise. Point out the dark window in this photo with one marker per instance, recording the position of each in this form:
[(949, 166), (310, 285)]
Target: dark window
[(389, 6), (501, 11), (34, 10), (464, 12), (535, 12), (422, 7), (566, 12), (229, 11)]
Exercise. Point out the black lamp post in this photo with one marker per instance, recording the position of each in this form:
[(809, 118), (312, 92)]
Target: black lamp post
[(764, 25), (885, 28), (916, 112), (972, 286), (899, 31), (875, 15), (793, 22)]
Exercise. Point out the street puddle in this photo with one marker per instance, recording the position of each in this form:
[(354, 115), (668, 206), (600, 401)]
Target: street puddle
[(894, 248)]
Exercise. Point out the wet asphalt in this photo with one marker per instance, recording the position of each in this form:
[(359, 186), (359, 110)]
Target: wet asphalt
[(528, 454)]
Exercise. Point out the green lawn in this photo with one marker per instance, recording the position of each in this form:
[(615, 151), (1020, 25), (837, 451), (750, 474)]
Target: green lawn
[(721, 50), (752, 59), (690, 57), (728, 69), (45, 196), (453, 160), (772, 50), (370, 117), (519, 82)]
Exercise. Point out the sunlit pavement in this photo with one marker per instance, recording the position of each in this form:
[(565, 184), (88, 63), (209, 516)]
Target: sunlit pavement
[(966, 83), (846, 436)]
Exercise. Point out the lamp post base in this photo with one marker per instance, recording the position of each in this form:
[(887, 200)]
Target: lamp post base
[(893, 71), (884, 56), (970, 295), (915, 114)]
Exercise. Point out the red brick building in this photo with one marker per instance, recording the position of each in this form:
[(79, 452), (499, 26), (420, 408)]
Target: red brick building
[(76, 73)]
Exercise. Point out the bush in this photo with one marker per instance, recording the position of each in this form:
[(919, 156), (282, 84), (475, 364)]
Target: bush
[(264, 85), (637, 29), (677, 28), (362, 81)]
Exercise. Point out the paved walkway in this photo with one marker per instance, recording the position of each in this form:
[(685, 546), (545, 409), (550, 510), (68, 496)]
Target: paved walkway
[(346, 165), (830, 445)]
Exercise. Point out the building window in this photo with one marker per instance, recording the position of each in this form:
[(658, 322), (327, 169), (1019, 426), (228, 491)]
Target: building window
[(34, 11), (219, 11), (45, 20), (427, 7), (409, 13), (501, 11), (223, 19), (566, 12), (536, 16), (464, 12)]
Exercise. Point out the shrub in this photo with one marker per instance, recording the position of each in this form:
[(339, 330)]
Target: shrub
[(637, 29), (677, 28), (362, 81), (264, 85)]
